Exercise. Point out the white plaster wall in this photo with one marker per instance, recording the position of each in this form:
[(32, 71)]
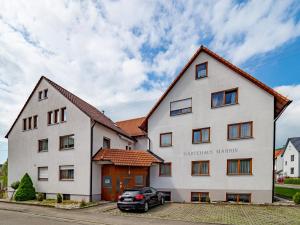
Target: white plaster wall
[(23, 155), (254, 105), (291, 150), (279, 163), (142, 143)]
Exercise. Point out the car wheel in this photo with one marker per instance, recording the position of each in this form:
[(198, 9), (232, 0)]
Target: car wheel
[(146, 207), (162, 201)]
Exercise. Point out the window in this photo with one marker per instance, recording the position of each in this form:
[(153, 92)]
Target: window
[(24, 124), (240, 131), (181, 107), (43, 173), (35, 118), (165, 139), (66, 172), (40, 95), (56, 115), (200, 197), (66, 197), (106, 142), (292, 158), (230, 197), (200, 168), (107, 181), (201, 135), (63, 115), (223, 98), (45, 93), (201, 70), (165, 169), (29, 123), (292, 170), (43, 145), (49, 117), (167, 195), (67, 142), (139, 180), (239, 167)]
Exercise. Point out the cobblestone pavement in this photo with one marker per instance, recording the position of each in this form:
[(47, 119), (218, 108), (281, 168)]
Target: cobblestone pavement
[(221, 213)]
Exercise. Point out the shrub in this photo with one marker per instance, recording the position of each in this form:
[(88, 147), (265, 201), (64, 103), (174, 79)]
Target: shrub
[(292, 181), (296, 198), (207, 199), (25, 191), (82, 203), (58, 198), (40, 196)]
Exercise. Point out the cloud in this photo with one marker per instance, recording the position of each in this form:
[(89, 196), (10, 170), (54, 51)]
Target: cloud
[(288, 124), (125, 53)]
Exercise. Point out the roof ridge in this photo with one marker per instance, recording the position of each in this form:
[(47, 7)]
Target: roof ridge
[(137, 118)]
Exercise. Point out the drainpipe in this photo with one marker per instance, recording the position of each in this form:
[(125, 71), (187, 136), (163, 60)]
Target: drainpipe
[(149, 145), (91, 162), (274, 146)]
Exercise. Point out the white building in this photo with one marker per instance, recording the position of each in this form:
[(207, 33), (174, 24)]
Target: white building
[(279, 163), (211, 134), (291, 158)]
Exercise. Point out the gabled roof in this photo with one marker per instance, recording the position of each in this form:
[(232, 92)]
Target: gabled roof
[(295, 141), (131, 126), (279, 152), (121, 157), (281, 102), (85, 107)]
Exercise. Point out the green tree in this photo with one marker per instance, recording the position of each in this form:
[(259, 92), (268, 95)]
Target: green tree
[(26, 191), (4, 173)]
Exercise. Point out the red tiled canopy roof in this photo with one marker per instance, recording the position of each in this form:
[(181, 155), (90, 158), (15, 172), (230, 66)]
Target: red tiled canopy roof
[(121, 157), (132, 126), (279, 152)]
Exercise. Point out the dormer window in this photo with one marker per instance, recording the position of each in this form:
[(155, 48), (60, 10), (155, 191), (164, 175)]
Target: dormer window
[(201, 70)]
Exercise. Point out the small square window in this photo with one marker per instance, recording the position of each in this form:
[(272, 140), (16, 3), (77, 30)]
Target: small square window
[(66, 173), (66, 197), (106, 143), (165, 139), (165, 169), (201, 70), (43, 173), (43, 145), (139, 180), (67, 142), (201, 135)]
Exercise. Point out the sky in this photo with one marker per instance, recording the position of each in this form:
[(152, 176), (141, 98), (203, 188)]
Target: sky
[(120, 56)]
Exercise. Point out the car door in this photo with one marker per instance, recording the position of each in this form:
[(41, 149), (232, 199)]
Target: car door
[(147, 194), (155, 200)]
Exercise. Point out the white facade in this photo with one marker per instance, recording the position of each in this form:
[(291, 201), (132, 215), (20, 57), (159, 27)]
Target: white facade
[(254, 104), (291, 161)]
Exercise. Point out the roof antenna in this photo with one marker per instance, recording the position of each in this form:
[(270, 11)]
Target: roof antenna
[(103, 111)]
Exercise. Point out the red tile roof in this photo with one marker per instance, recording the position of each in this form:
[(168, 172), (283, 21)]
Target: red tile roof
[(85, 107), (281, 102), (121, 157), (279, 152), (132, 126)]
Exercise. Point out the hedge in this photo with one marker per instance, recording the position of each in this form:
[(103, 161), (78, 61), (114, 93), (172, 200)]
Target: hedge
[(292, 181), (286, 192)]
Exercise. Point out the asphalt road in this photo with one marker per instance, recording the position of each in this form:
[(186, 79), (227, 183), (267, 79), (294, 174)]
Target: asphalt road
[(16, 214)]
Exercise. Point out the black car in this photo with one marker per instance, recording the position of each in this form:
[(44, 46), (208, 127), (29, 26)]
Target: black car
[(140, 199)]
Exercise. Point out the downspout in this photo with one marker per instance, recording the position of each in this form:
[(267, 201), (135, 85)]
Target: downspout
[(274, 144), (149, 145), (91, 162)]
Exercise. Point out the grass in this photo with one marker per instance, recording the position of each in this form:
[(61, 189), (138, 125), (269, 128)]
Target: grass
[(286, 192)]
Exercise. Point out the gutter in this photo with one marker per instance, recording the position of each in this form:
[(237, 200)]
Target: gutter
[(91, 161)]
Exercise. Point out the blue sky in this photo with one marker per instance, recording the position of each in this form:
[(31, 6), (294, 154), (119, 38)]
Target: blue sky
[(110, 52)]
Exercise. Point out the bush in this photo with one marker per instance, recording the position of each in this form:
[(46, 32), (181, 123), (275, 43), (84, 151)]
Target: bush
[(40, 197), (25, 191), (296, 198), (82, 203), (292, 181), (207, 199), (58, 198)]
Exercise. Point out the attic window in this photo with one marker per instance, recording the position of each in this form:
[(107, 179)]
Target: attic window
[(201, 70), (181, 107), (43, 94)]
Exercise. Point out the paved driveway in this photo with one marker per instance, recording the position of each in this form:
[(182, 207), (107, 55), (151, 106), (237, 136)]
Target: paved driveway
[(12, 214)]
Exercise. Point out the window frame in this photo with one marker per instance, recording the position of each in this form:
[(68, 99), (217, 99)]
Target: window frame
[(292, 158), (30, 123), (63, 114), (200, 162), (35, 121), (182, 108), (106, 139), (49, 118), (160, 140), (45, 92), (24, 124), (43, 150), (292, 170), (159, 169), (66, 179), (199, 193), (42, 179), (238, 196), (238, 167), (55, 119), (196, 71), (224, 98), (201, 140), (239, 131), (60, 142)]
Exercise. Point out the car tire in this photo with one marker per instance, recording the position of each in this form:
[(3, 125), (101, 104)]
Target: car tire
[(146, 207), (162, 201)]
